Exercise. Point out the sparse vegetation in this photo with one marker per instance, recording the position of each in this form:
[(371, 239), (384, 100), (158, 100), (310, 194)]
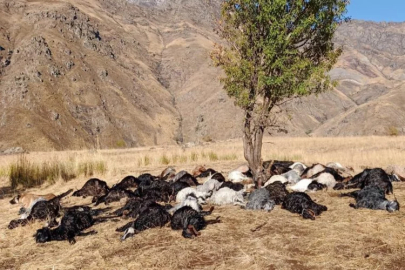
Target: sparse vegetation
[(212, 156), (194, 156), (165, 160), (121, 144), (393, 131), (31, 174)]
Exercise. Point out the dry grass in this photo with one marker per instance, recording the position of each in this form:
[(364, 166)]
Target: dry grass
[(342, 238)]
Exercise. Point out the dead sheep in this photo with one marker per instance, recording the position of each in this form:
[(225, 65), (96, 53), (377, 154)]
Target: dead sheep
[(326, 179), (276, 178), (301, 203), (307, 185), (227, 196), (127, 182), (292, 176), (234, 186), (42, 210), (372, 177), (191, 201), (72, 224), (152, 217), (314, 169), (210, 185), (93, 187), (238, 177), (190, 221), (201, 196), (260, 199), (372, 197), (114, 195), (277, 191)]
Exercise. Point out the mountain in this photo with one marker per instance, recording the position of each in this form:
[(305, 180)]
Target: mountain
[(112, 73)]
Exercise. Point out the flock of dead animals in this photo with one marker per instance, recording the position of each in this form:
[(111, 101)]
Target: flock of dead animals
[(148, 197)]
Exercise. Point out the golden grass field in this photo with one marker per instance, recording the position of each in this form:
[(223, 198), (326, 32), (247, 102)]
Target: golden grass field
[(341, 238)]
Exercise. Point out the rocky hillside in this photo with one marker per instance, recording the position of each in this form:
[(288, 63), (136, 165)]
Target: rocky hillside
[(114, 73)]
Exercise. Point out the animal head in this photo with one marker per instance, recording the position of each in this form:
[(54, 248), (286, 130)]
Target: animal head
[(268, 206), (315, 185), (43, 235), (15, 200), (394, 178), (201, 200), (392, 206)]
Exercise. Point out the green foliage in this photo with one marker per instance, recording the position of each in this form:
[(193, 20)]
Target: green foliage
[(277, 49)]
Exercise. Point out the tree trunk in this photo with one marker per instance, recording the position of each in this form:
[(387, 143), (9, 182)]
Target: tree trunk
[(252, 145)]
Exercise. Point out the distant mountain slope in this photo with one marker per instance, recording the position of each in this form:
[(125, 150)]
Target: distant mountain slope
[(114, 73)]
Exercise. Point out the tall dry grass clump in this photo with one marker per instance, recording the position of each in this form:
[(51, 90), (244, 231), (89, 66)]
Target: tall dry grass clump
[(30, 174)]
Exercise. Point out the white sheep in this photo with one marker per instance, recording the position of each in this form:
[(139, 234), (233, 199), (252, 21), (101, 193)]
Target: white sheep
[(292, 176), (25, 212), (327, 179), (307, 184), (237, 177), (276, 178), (201, 196), (316, 169), (209, 185), (227, 196), (191, 200)]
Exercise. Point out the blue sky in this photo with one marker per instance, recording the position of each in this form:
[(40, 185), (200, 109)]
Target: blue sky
[(377, 10)]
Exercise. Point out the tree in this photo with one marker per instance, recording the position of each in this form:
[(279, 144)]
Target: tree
[(276, 50)]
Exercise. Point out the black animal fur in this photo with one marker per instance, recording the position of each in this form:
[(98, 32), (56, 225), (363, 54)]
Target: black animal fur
[(42, 210), (278, 192), (301, 203), (93, 187), (372, 177), (153, 216), (72, 224), (231, 185), (177, 186), (206, 173), (219, 177), (189, 220), (114, 195), (372, 197), (128, 182)]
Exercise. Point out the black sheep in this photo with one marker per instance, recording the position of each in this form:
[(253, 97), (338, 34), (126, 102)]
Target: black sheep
[(278, 192), (72, 224), (114, 195), (177, 186), (206, 173), (231, 185), (190, 221), (134, 207), (153, 216), (42, 210), (128, 182), (301, 203), (372, 177), (93, 187), (219, 177), (372, 197), (189, 179)]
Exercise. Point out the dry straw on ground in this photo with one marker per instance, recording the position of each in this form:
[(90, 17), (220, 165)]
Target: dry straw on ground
[(341, 238)]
